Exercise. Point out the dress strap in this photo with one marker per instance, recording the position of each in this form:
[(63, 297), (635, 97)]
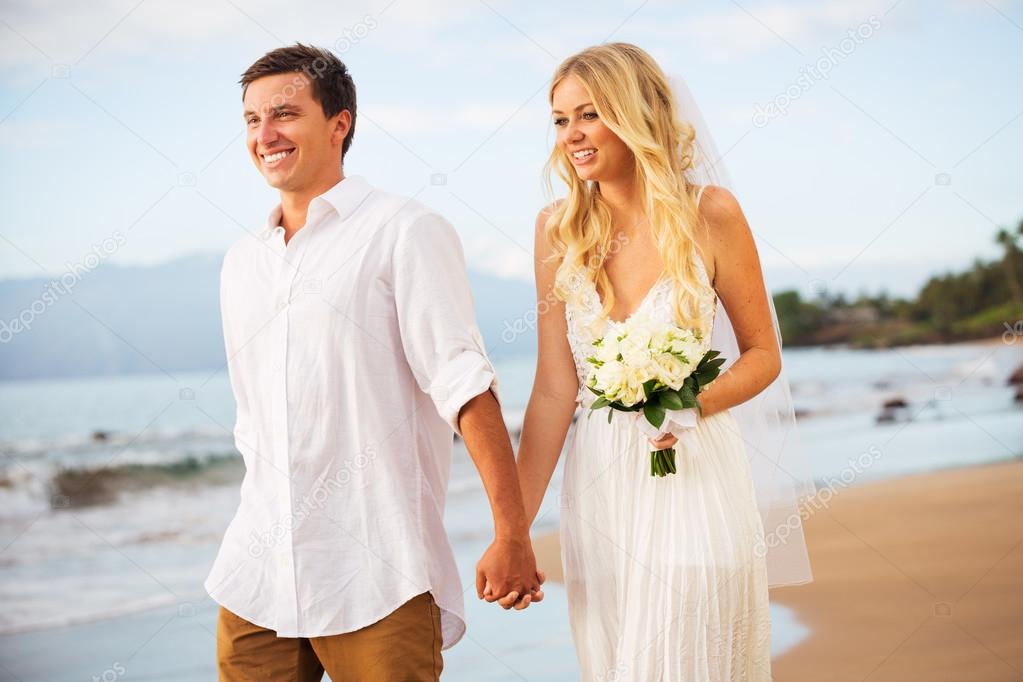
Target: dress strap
[(699, 194)]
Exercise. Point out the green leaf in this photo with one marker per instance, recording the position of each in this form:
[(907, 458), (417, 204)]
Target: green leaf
[(688, 397), (672, 400), (599, 403), (654, 414), (707, 376), (610, 413), (648, 387)]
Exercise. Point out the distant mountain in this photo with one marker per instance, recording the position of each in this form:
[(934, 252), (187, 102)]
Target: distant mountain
[(146, 319)]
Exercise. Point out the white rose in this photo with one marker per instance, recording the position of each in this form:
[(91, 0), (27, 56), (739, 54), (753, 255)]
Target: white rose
[(660, 340), (635, 347), (641, 328), (633, 390), (688, 347), (672, 371), (607, 351), (638, 375), (610, 378)]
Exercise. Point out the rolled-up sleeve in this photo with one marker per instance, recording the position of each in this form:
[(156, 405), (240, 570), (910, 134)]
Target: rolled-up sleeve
[(442, 342)]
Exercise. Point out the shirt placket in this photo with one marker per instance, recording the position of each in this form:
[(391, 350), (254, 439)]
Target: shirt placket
[(287, 590)]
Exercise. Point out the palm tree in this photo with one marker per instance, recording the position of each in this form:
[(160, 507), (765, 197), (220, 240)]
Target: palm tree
[(1010, 241)]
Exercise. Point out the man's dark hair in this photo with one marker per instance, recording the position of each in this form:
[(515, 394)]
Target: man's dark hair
[(333, 86)]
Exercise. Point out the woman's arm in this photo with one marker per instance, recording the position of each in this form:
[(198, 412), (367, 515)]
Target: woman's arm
[(552, 401), (739, 284)]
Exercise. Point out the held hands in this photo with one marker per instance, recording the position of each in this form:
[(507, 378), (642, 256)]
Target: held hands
[(512, 599), (507, 574)]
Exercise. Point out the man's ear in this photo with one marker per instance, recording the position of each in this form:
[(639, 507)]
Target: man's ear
[(342, 125)]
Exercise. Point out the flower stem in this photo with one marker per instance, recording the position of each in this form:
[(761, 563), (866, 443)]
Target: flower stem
[(662, 462)]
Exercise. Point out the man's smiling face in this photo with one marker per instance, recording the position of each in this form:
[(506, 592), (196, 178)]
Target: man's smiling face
[(290, 140)]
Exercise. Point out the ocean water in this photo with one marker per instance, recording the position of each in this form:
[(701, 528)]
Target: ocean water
[(114, 494)]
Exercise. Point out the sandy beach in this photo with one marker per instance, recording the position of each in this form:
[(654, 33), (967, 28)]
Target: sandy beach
[(916, 578)]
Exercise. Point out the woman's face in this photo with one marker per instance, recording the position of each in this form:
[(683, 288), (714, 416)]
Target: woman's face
[(596, 153)]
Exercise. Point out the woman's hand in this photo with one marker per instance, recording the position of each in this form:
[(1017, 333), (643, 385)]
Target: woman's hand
[(664, 443), (669, 440), (512, 599)]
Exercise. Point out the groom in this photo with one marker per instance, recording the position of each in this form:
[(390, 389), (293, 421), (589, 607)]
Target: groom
[(352, 355)]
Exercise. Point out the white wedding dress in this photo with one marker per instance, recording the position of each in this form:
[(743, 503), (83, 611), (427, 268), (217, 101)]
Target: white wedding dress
[(662, 575)]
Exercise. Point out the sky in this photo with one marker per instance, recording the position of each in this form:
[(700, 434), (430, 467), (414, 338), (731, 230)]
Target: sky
[(895, 157)]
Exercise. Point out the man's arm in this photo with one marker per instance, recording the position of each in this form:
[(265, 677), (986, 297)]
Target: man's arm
[(445, 351), (508, 565)]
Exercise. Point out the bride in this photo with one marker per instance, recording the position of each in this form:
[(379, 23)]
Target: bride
[(666, 577)]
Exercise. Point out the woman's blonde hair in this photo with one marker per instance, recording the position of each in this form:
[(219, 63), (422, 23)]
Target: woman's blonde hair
[(633, 98)]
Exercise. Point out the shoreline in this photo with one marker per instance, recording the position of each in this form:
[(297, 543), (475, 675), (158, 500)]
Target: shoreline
[(915, 577)]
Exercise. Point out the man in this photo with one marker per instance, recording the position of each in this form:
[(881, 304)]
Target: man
[(352, 354)]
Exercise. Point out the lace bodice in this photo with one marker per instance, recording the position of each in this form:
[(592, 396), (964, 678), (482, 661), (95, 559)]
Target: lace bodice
[(584, 326)]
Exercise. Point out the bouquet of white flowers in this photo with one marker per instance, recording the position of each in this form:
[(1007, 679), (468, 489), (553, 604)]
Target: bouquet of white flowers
[(657, 369)]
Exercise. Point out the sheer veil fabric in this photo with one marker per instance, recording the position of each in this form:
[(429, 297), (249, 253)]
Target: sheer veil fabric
[(767, 422)]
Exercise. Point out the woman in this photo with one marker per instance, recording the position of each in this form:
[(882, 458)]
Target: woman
[(662, 574)]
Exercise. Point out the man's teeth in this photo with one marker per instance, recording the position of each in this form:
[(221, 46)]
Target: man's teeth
[(583, 153), (273, 158)]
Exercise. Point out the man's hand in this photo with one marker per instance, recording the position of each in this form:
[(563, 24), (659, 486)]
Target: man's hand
[(506, 571), (512, 599)]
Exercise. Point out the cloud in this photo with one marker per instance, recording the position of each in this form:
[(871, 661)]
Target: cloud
[(36, 133), (749, 28), (409, 119), (496, 256), (65, 32)]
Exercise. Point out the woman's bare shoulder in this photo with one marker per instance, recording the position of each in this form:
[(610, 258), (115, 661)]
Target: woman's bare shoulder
[(546, 212), (723, 225)]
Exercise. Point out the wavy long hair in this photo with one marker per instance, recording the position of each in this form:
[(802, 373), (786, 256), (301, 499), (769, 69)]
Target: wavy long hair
[(634, 100)]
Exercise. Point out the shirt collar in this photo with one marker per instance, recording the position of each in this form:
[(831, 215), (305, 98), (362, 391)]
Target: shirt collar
[(344, 198)]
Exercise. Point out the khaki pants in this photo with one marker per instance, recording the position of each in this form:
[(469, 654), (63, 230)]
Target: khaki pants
[(404, 646)]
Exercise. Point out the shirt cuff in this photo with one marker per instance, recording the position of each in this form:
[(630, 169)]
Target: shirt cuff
[(461, 379)]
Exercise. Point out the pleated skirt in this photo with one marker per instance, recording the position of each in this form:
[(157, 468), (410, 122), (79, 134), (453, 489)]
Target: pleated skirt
[(663, 578)]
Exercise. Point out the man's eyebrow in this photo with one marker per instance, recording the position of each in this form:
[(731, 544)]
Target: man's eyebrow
[(280, 107), (587, 104)]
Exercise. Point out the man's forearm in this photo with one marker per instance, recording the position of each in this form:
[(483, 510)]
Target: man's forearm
[(486, 438)]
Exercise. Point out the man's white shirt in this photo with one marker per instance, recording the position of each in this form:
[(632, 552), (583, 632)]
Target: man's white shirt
[(351, 350)]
